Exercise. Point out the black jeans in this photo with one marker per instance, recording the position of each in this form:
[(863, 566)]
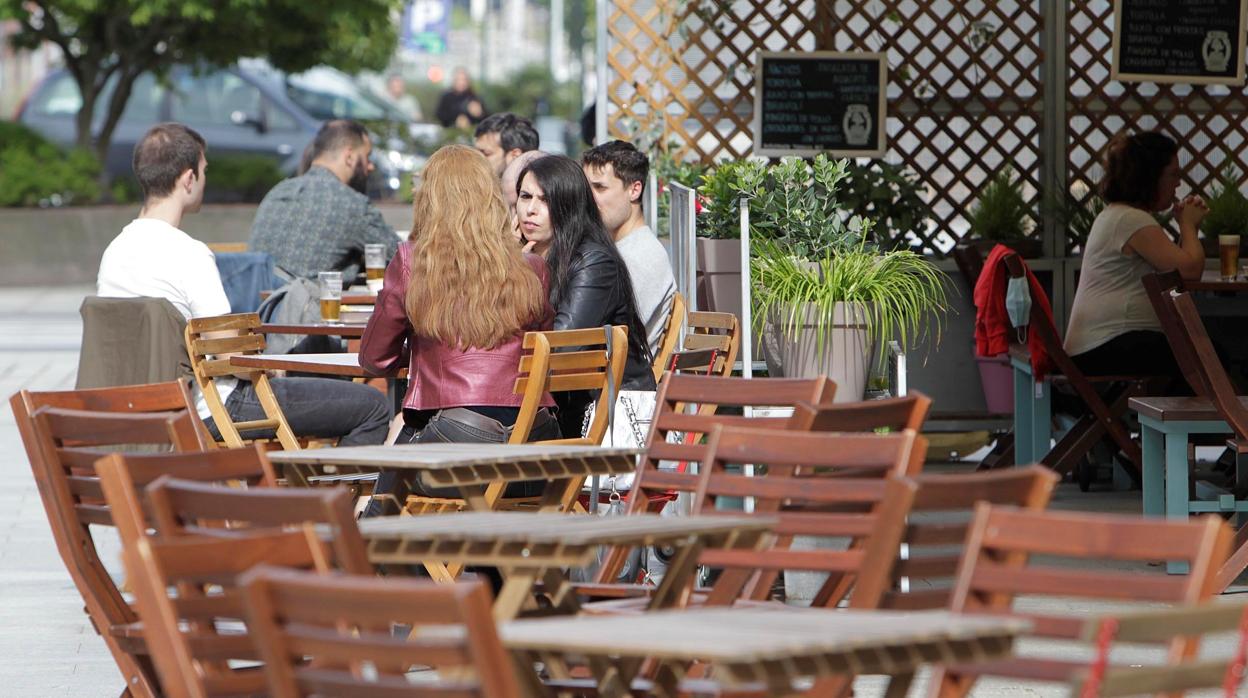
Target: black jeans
[(1138, 353), (356, 414), (458, 425)]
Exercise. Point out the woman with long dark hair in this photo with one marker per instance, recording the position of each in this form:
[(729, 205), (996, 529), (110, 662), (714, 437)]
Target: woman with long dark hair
[(589, 283)]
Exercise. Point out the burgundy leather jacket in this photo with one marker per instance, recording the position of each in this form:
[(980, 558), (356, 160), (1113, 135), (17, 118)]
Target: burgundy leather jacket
[(440, 376)]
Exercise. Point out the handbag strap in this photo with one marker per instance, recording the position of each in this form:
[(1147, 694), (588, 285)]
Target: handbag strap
[(595, 482)]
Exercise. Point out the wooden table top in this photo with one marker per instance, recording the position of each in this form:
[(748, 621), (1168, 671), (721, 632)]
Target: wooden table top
[(346, 330), (537, 539), (1211, 280), (327, 364), (467, 464), (749, 636), (1175, 409)]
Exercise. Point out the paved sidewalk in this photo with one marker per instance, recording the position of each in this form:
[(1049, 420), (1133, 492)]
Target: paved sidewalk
[(47, 645)]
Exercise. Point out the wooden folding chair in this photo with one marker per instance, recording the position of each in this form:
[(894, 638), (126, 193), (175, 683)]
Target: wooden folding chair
[(999, 565), (889, 414), (341, 621), (1103, 680), (671, 335), (62, 444), (1187, 336), (939, 522), (1158, 286), (186, 591), (184, 507), (1106, 408), (716, 333), (209, 337), (581, 365), (652, 487)]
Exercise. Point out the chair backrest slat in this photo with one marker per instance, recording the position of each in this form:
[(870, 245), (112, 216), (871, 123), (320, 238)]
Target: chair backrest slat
[(671, 335), (545, 370), (333, 620), (1221, 390), (937, 529), (1158, 287), (864, 516), (1012, 552)]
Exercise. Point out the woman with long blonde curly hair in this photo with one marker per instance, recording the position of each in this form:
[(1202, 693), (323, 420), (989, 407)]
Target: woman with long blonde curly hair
[(456, 302)]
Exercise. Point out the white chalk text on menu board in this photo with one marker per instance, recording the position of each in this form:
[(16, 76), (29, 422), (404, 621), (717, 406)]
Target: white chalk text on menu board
[(1184, 41), (812, 102)]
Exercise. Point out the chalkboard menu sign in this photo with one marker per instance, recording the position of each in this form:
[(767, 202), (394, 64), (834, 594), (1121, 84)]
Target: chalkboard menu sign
[(807, 103), (1187, 41)]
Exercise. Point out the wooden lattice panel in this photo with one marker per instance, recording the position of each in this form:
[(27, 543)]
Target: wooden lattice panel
[(1206, 120), (964, 82)]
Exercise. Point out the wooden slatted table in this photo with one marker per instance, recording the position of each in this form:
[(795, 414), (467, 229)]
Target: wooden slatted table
[(774, 646), (1211, 280), (479, 471), (529, 547)]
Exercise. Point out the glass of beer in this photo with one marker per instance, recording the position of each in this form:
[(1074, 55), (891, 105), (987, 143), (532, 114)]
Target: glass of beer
[(1228, 255), (330, 283), (374, 266)]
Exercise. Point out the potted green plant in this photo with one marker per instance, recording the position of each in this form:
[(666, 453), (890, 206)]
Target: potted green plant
[(719, 232), (1228, 211), (1001, 215), (824, 294), (891, 198)]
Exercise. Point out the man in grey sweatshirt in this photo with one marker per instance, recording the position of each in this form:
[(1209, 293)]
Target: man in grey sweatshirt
[(617, 173)]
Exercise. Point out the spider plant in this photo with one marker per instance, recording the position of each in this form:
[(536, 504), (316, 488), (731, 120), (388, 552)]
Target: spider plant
[(894, 294)]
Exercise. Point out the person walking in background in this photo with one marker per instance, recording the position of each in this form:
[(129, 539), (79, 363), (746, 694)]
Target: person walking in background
[(459, 106), (454, 309), (396, 90), (502, 138), (321, 220), (617, 173)]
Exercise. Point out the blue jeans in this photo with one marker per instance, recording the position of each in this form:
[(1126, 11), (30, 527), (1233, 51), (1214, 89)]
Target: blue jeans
[(354, 413), (457, 425)]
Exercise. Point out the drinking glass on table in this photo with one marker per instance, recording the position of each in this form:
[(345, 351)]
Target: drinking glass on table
[(374, 266), (330, 283), (1228, 256)]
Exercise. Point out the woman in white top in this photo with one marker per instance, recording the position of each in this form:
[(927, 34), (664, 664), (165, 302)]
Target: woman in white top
[(1113, 328)]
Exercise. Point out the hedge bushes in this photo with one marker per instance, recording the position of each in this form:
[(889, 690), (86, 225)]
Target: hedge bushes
[(34, 172)]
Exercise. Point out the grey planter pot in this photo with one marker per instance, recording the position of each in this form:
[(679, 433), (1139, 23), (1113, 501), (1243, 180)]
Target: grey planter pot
[(844, 356), (719, 280)]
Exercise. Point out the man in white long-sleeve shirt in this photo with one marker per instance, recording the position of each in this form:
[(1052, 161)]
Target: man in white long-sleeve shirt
[(152, 257), (617, 173)]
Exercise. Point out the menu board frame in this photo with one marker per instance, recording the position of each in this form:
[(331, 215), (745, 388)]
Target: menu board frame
[(1236, 79), (881, 133)]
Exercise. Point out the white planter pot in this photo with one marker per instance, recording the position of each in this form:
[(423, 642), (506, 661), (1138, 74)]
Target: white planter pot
[(843, 357)]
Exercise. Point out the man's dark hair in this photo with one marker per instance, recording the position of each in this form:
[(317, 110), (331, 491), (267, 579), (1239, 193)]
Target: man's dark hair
[(163, 154), (513, 131), (336, 135), (1133, 167), (629, 164)]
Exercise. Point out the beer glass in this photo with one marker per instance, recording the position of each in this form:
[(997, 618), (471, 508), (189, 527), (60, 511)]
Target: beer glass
[(374, 266), (1228, 256), (330, 283)]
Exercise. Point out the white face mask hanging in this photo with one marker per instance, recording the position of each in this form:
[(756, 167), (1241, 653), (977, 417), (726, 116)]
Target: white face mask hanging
[(1018, 305)]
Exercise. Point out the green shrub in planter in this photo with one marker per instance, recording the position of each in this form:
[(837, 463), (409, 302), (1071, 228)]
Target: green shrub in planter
[(1001, 213), (34, 172), (1228, 208), (890, 196), (720, 190)]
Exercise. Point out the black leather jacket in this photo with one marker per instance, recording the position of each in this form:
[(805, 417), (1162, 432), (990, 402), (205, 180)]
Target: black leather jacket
[(588, 301)]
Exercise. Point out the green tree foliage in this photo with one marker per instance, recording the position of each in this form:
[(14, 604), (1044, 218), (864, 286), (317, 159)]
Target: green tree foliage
[(115, 41), (34, 172)]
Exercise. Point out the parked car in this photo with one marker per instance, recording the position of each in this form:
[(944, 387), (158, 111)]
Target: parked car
[(246, 109)]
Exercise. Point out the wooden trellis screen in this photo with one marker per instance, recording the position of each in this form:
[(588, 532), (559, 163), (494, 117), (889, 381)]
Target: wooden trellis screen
[(965, 87)]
